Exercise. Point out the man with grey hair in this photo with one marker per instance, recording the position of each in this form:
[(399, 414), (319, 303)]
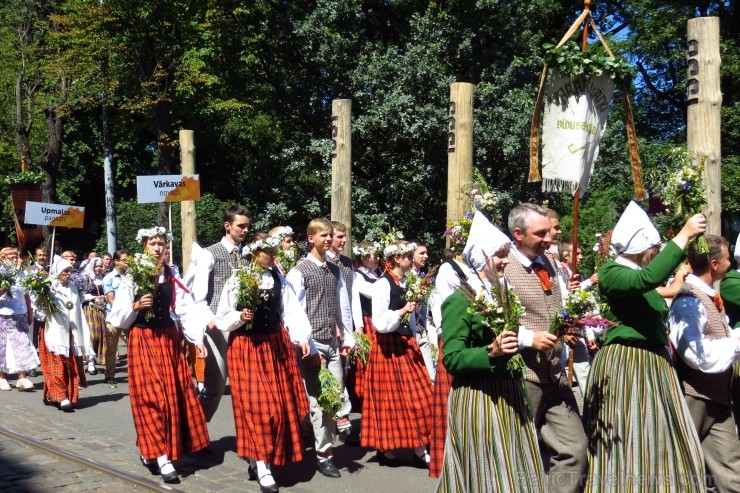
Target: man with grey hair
[(534, 279)]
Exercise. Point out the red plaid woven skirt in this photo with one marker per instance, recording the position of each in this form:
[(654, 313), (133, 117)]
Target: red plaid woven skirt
[(268, 396), (442, 385), (61, 373), (167, 415), (397, 395)]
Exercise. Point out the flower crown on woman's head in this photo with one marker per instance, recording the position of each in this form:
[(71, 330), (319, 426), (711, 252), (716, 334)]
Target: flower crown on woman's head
[(373, 249), (393, 250), (269, 242), (282, 232), (146, 233)]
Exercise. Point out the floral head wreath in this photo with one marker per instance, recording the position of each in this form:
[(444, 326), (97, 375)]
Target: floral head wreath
[(373, 249), (282, 232), (145, 233), (269, 242), (393, 250)]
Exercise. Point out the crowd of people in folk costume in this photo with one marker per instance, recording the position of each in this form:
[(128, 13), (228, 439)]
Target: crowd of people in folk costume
[(657, 383)]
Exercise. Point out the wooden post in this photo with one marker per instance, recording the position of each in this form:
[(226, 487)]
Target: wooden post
[(341, 166), (187, 207), (459, 150), (704, 103)]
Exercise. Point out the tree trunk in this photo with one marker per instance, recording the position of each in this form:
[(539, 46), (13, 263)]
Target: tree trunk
[(52, 155), (165, 163)]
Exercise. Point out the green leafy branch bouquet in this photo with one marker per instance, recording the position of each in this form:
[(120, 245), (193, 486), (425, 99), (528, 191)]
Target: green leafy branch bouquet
[(143, 271), (330, 397), (288, 258), (361, 350), (681, 189), (572, 62), (501, 310), (38, 283)]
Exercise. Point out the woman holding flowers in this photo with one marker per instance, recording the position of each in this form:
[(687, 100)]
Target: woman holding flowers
[(17, 354), (641, 436), (65, 337), (397, 391), (491, 441), (267, 391), (168, 418)]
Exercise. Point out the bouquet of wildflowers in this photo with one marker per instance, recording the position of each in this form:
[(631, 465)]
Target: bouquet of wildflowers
[(330, 397), (248, 288), (8, 277), (361, 350), (581, 311), (81, 282), (288, 258), (38, 283), (501, 310), (682, 189), (458, 231), (419, 288), (143, 271)]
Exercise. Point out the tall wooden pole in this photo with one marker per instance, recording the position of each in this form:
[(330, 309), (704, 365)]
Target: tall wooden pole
[(341, 166), (703, 113), (459, 150), (187, 207)]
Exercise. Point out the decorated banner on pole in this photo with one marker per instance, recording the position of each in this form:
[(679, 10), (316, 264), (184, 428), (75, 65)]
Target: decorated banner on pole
[(575, 115), (64, 216), (167, 188)]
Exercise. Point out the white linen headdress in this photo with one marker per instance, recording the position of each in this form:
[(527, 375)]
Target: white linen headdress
[(737, 249), (59, 265), (484, 240), (634, 232)]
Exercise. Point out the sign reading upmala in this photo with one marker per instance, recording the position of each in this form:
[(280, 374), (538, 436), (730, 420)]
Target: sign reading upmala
[(575, 116)]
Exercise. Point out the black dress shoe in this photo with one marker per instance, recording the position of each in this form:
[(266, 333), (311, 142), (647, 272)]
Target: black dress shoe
[(33, 373), (272, 488), (328, 469), (152, 466), (384, 460), (252, 471), (420, 462), (171, 476)]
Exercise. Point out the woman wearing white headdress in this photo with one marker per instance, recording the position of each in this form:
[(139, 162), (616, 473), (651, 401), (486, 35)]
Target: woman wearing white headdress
[(93, 306), (641, 436), (65, 336), (491, 443)]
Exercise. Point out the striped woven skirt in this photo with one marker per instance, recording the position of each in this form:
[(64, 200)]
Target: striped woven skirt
[(167, 415), (61, 373), (442, 384), (98, 332), (268, 397), (397, 395), (640, 434), (491, 441)]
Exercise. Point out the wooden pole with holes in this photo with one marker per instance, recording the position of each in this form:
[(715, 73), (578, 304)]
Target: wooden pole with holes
[(341, 166), (459, 150), (704, 104)]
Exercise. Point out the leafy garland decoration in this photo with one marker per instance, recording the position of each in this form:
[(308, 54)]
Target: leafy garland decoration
[(572, 62)]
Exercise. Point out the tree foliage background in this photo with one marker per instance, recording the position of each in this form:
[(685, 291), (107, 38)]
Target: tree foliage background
[(255, 79)]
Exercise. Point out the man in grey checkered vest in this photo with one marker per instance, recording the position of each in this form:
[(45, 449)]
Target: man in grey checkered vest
[(212, 271), (535, 280)]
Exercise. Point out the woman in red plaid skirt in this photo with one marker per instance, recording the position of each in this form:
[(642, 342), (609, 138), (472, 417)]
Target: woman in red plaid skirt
[(267, 391), (397, 390), (168, 418), (64, 337)]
